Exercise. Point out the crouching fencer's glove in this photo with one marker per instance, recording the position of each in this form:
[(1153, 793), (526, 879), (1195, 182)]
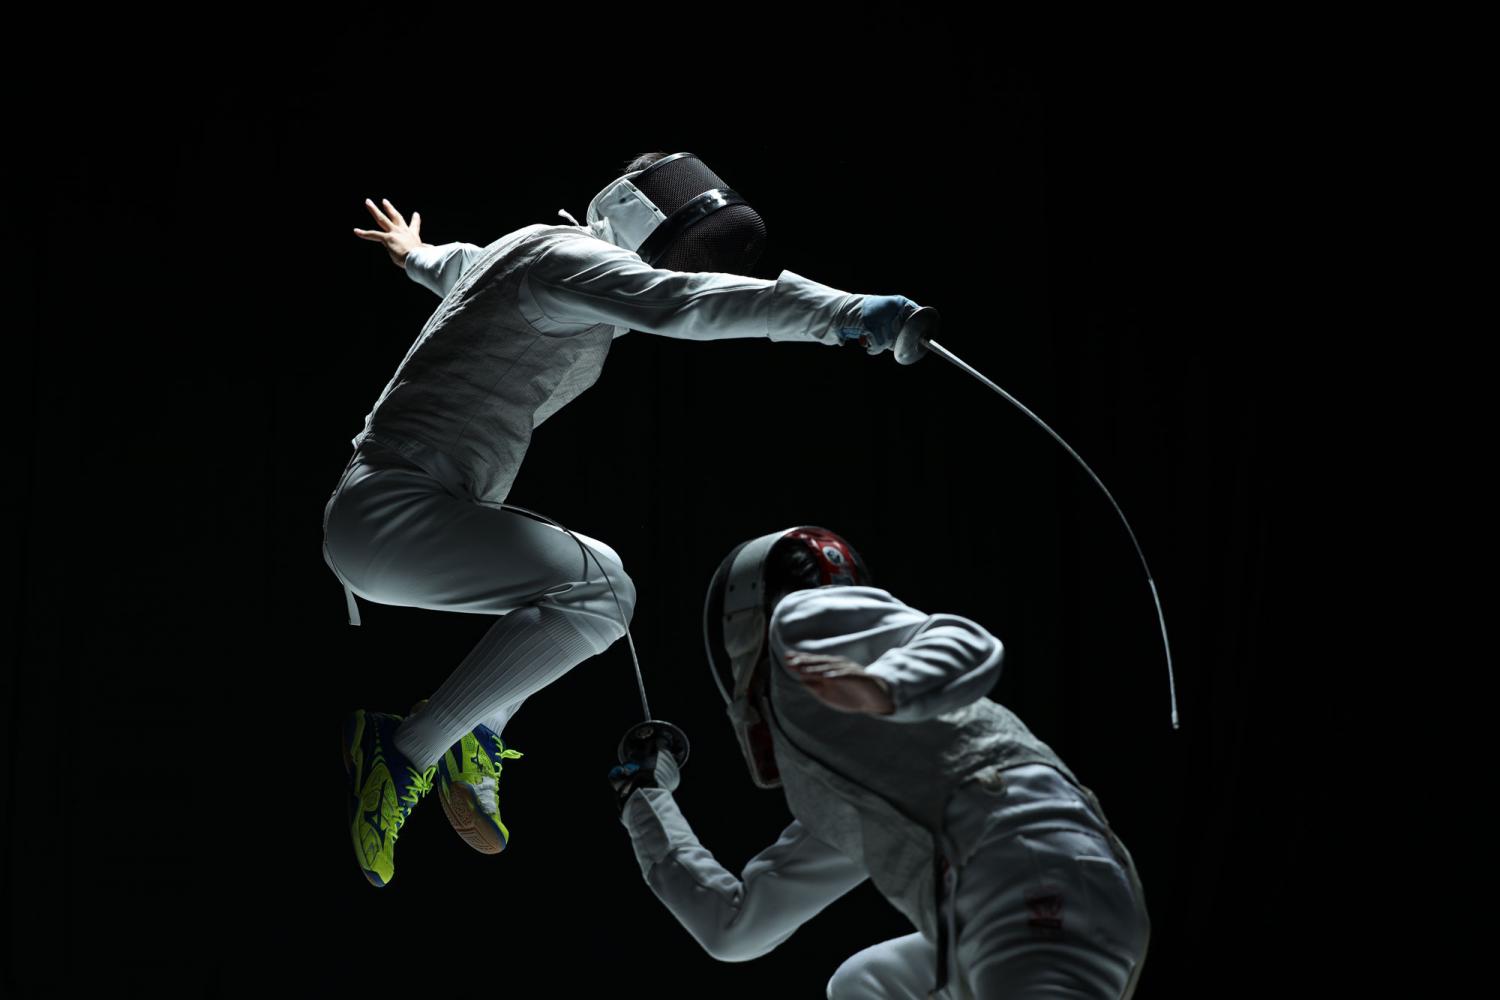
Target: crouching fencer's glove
[(651, 769), (881, 319)]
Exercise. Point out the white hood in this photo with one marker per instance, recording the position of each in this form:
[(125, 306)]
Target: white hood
[(622, 214)]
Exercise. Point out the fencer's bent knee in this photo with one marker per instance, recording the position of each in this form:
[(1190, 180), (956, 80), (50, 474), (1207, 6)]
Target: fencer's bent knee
[(853, 980), (600, 609), (615, 584), (617, 601), (625, 592), (846, 984)]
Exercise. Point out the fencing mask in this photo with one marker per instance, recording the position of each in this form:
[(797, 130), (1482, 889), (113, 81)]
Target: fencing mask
[(735, 615), (679, 215)]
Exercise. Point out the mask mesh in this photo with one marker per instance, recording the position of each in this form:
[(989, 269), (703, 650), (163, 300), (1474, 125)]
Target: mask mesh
[(729, 240)]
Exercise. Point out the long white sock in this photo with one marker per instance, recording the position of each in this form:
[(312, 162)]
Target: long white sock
[(496, 721), (522, 653)]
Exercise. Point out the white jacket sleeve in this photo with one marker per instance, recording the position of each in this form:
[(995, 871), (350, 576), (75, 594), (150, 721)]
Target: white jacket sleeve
[(950, 662), (584, 282), (439, 267), (734, 919), (933, 663)]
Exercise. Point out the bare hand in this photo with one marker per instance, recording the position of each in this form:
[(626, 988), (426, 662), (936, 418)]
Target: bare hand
[(842, 684), (399, 238)]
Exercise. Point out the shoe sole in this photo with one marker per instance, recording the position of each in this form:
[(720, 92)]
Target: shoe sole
[(465, 814), (469, 822)]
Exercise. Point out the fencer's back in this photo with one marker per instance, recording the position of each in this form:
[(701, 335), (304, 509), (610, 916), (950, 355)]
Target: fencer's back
[(875, 789), (479, 378)]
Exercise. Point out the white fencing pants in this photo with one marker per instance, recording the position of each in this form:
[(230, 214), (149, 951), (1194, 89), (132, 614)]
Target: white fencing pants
[(394, 535), (1044, 907)]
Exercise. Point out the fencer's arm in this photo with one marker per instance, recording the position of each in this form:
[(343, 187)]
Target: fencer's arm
[(734, 919), (950, 662), (584, 282), (439, 267), (931, 663)]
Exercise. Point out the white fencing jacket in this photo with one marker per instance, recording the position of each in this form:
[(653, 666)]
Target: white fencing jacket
[(864, 805), (524, 327)]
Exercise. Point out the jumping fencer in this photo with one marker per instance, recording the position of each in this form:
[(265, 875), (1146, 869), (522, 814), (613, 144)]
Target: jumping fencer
[(417, 518)]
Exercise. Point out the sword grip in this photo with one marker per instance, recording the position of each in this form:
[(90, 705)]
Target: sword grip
[(911, 342)]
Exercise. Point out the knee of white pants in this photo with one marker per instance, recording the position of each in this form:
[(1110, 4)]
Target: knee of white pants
[(855, 980), (600, 609), (617, 604), (603, 551), (618, 586), (845, 982), (624, 592), (603, 558), (898, 969)]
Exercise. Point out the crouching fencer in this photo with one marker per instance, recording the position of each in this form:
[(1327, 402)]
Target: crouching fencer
[(872, 718), (418, 518)]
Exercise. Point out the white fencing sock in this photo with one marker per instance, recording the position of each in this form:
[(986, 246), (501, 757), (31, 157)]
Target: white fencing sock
[(522, 653)]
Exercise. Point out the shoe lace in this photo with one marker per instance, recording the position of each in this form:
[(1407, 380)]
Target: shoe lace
[(421, 784), (505, 754), (492, 763)]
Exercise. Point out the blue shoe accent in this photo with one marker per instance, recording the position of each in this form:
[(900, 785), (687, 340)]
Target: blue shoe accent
[(384, 787)]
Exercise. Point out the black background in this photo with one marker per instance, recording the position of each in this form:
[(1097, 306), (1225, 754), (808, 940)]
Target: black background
[(1089, 212)]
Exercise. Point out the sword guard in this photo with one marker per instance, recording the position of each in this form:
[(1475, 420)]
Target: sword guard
[(653, 734), (911, 342)]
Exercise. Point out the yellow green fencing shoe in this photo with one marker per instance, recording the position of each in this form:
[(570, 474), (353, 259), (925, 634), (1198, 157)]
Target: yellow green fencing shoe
[(469, 788), (384, 788)]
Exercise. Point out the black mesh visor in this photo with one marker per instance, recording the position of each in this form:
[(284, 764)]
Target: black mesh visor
[(729, 239)]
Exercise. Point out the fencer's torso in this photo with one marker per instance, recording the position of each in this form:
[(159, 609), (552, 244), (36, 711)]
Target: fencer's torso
[(480, 377), (873, 787), (524, 327)]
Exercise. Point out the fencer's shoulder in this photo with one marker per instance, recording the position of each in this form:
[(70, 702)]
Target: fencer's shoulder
[(570, 249), (828, 610), (517, 238), (837, 596)]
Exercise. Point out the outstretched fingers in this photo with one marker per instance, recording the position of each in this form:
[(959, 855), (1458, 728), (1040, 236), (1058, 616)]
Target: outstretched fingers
[(398, 237), (380, 217)]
